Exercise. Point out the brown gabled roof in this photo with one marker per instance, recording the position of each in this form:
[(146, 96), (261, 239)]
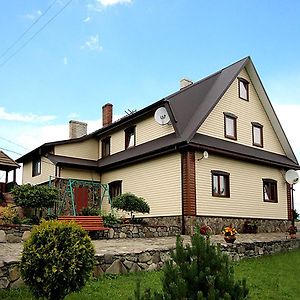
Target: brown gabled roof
[(188, 108), (7, 163)]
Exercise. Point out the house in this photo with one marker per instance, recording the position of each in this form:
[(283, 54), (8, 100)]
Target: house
[(221, 158)]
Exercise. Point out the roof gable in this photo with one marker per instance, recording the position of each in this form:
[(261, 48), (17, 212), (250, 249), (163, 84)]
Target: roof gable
[(6, 163)]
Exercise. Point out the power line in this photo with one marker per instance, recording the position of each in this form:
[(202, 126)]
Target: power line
[(22, 35), (10, 151), (7, 140), (32, 37)]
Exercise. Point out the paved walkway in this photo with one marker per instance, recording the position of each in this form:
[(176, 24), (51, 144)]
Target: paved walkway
[(11, 251)]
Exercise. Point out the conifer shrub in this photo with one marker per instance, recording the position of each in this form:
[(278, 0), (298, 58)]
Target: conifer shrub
[(57, 259), (197, 271)]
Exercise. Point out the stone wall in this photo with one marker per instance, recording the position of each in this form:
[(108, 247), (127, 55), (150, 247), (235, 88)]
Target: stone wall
[(217, 223), (14, 233), (139, 231), (152, 259)]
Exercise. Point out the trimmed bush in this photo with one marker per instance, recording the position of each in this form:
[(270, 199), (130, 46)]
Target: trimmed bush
[(131, 203), (57, 259)]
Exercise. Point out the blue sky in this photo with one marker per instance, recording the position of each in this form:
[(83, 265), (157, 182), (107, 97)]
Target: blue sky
[(132, 53)]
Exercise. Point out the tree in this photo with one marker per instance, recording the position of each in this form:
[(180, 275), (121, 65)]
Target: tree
[(57, 259), (131, 203), (35, 196), (197, 271)]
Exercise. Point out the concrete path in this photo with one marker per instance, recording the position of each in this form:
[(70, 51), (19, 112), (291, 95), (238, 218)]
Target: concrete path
[(12, 251)]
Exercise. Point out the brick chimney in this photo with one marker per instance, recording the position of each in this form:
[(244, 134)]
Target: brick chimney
[(184, 82), (107, 114), (77, 129)]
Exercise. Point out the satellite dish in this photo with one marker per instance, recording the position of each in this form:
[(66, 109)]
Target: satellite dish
[(291, 177), (161, 116), (205, 154)]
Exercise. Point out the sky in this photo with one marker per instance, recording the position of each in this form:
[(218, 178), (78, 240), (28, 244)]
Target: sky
[(64, 59)]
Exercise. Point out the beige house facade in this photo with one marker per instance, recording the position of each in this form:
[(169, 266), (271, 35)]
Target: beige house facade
[(221, 157)]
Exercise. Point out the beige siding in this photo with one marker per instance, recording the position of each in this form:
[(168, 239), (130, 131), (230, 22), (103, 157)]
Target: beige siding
[(158, 181), (247, 112), (47, 169), (87, 149), (79, 174), (146, 130), (246, 190)]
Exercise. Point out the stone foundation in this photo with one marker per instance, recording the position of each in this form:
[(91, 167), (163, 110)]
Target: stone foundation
[(14, 233), (217, 223)]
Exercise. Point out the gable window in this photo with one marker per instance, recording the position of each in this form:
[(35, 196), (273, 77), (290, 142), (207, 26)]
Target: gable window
[(130, 137), (230, 130), (115, 188), (105, 150), (220, 184), (257, 134), (36, 167), (270, 190), (243, 89)]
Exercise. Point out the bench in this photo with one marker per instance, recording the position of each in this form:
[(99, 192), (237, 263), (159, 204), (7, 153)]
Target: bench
[(88, 223)]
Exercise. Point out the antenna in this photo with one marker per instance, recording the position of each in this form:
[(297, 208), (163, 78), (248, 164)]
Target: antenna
[(161, 116), (291, 177)]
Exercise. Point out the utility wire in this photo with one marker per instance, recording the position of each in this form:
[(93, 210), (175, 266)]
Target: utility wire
[(7, 140), (22, 35), (32, 37), (10, 151)]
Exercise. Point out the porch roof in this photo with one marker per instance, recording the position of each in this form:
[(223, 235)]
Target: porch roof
[(7, 163)]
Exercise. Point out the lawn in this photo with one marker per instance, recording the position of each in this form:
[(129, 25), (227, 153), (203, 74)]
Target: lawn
[(272, 277)]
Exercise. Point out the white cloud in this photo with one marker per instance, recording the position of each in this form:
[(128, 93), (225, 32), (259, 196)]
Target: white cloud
[(73, 115), (87, 19), (98, 5), (33, 15), (113, 2), (92, 43), (13, 116), (65, 61)]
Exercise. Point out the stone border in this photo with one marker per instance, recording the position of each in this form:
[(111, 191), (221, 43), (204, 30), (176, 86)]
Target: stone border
[(151, 259), (14, 233)]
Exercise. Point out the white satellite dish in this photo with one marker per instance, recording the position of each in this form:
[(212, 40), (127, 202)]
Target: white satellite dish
[(291, 177), (161, 116)]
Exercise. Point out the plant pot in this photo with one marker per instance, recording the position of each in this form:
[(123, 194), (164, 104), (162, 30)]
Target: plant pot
[(229, 238), (292, 235)]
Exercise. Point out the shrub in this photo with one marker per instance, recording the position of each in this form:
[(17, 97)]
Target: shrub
[(90, 211), (110, 219), (199, 271), (130, 203), (57, 259), (9, 215)]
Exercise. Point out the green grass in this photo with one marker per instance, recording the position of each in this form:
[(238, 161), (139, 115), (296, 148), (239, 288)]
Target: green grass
[(272, 277)]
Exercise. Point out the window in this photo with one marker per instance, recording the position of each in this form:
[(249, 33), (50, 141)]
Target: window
[(115, 188), (220, 184), (230, 130), (105, 150), (257, 134), (36, 167), (130, 137), (270, 190), (243, 89)]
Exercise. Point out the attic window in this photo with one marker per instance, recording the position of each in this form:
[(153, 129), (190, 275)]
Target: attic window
[(130, 137), (243, 89), (36, 167), (230, 127), (257, 134)]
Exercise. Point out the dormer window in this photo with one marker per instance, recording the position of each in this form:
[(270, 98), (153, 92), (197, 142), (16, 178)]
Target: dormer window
[(36, 167), (105, 150), (130, 137), (243, 89), (257, 134), (230, 130)]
